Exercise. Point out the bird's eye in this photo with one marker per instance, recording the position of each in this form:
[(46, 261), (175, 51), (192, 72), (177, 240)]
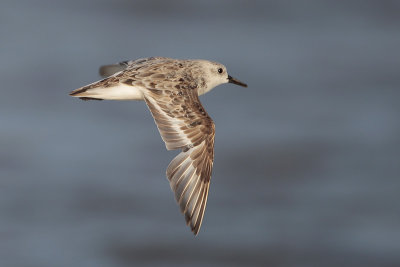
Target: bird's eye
[(220, 70)]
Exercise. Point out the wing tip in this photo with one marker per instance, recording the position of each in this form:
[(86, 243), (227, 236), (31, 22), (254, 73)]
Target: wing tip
[(84, 98), (109, 70), (192, 202), (78, 91), (103, 70)]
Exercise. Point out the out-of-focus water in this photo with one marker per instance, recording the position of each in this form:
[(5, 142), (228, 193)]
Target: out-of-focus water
[(306, 170)]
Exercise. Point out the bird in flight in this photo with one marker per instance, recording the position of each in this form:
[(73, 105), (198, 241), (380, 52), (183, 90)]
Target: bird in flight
[(171, 89)]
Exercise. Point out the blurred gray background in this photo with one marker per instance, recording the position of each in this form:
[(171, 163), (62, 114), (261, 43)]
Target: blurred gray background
[(306, 169)]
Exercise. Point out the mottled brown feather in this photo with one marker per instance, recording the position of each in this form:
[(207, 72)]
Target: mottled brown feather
[(171, 93), (184, 124)]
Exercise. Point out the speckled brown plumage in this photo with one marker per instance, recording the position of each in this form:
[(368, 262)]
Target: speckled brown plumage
[(171, 90)]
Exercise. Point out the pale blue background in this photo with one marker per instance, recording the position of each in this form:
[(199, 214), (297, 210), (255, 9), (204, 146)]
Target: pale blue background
[(306, 159)]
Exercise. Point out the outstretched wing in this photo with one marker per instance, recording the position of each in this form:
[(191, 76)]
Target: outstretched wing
[(184, 124)]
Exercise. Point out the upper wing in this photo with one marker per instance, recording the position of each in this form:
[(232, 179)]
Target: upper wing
[(123, 81), (108, 70), (184, 124)]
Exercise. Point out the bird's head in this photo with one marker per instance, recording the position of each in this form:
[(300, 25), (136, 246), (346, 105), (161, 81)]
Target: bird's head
[(215, 74)]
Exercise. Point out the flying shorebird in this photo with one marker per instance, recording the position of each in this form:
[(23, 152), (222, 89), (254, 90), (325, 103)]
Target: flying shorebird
[(171, 89)]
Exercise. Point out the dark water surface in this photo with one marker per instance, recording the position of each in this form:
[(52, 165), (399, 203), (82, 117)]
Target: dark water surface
[(307, 159)]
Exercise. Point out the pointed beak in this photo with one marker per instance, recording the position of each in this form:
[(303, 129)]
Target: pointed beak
[(235, 81)]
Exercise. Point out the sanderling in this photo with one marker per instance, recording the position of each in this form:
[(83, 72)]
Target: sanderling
[(171, 89)]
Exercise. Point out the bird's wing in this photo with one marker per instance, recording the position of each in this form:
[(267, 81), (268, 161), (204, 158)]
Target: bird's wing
[(184, 124), (121, 78), (108, 70)]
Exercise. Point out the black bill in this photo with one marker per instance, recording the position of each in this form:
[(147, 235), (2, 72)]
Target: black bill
[(235, 81)]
